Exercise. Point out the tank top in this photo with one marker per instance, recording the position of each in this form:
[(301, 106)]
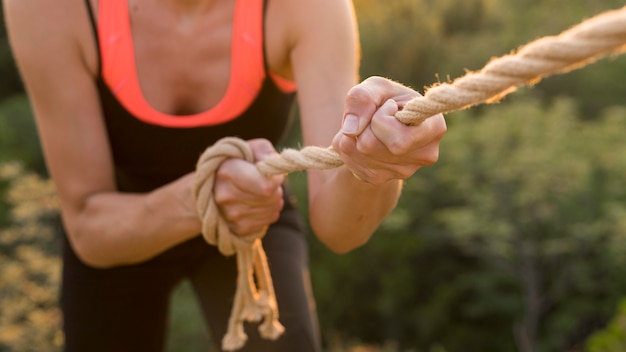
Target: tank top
[(149, 151), (150, 148)]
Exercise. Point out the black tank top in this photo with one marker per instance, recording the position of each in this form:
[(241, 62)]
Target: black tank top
[(147, 156)]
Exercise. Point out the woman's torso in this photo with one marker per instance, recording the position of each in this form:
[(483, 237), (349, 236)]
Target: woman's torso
[(146, 155), (190, 70)]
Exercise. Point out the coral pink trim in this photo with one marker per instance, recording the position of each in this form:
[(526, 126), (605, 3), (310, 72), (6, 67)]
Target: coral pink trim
[(284, 84), (247, 66)]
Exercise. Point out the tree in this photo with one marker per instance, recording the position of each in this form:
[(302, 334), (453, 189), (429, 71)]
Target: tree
[(537, 193)]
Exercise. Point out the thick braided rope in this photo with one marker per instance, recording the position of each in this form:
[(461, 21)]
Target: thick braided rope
[(581, 45)]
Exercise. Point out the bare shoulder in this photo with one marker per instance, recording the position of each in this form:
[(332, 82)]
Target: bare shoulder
[(308, 26), (305, 7), (30, 17), (42, 30), (306, 15)]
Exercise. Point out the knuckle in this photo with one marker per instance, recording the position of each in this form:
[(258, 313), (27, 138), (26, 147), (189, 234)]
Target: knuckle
[(222, 199), (267, 190), (366, 145), (400, 145), (280, 203), (240, 229), (407, 172), (358, 94), (345, 145), (377, 81), (439, 126), (233, 215), (270, 188), (275, 216), (225, 171), (373, 83), (430, 157), (243, 228)]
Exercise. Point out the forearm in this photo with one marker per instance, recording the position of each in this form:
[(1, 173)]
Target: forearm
[(345, 212), (120, 228)]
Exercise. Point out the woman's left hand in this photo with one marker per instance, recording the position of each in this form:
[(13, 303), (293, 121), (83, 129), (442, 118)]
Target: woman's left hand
[(248, 200)]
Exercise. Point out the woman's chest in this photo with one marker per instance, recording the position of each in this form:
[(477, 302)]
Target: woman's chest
[(187, 66)]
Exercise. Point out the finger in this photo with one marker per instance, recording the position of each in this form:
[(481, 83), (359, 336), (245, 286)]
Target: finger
[(365, 98), (244, 212), (371, 142), (246, 179), (379, 90), (238, 213), (360, 165), (228, 194), (263, 149), (362, 101), (247, 217), (360, 106), (402, 139)]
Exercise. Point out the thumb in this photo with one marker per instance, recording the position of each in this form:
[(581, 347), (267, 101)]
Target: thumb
[(351, 125), (261, 148), (360, 105)]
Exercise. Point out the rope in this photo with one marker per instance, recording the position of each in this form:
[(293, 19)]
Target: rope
[(579, 46), (251, 303)]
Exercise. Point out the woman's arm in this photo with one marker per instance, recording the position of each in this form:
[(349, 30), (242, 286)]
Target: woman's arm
[(54, 48), (347, 204)]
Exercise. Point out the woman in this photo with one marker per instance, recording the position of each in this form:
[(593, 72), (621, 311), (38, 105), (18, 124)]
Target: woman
[(128, 93)]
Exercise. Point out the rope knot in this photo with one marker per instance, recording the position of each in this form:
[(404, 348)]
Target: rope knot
[(252, 303)]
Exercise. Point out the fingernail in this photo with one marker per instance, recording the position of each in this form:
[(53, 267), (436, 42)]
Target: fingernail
[(350, 124)]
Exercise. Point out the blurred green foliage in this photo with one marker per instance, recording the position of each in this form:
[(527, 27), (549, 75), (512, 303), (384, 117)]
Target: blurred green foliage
[(612, 338), (513, 241), (9, 78), (18, 134)]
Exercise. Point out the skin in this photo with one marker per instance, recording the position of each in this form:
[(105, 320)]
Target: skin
[(182, 50)]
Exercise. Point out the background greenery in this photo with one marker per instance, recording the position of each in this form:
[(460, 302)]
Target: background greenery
[(514, 241)]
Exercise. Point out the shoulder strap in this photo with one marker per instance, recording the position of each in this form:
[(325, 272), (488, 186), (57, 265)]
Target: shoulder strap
[(94, 29)]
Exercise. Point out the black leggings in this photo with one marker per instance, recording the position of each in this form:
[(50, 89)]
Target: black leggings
[(125, 308)]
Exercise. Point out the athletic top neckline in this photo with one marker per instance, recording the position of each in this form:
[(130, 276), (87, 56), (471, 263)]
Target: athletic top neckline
[(248, 68)]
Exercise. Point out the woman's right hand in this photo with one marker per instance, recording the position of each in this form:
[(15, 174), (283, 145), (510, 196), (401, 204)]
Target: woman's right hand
[(246, 199), (374, 145)]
